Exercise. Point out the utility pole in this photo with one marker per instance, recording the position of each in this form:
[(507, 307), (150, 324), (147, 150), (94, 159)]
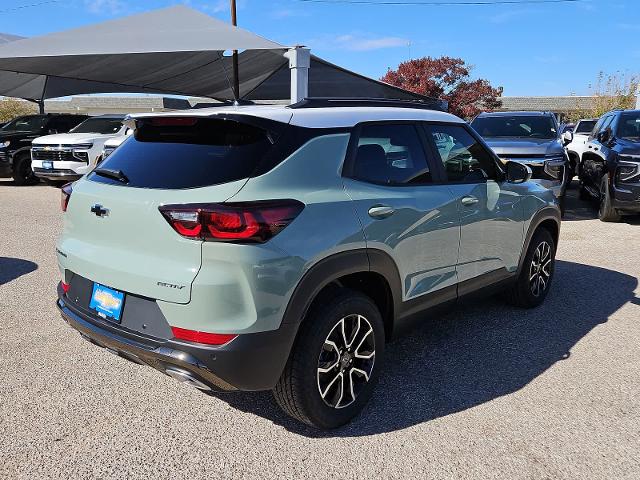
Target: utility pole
[(236, 78)]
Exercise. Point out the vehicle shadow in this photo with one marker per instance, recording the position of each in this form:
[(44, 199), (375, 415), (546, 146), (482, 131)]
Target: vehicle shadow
[(576, 209), (12, 268), (474, 354)]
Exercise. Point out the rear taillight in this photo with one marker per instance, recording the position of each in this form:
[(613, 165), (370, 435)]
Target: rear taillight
[(232, 222), (65, 195), (202, 337)]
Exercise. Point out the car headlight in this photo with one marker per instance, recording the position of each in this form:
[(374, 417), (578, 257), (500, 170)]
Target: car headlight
[(628, 170), (5, 144), (554, 166), (80, 152), (82, 146)]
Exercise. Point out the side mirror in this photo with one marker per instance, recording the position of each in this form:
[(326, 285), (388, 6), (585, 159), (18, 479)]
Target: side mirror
[(604, 136), (518, 172), (567, 138)]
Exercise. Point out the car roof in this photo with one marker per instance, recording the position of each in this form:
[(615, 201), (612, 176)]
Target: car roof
[(319, 117), (116, 116), (515, 114)]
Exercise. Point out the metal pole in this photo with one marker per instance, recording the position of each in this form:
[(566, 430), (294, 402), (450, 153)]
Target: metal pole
[(236, 79)]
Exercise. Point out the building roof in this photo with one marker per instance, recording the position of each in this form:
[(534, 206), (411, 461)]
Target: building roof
[(551, 104)]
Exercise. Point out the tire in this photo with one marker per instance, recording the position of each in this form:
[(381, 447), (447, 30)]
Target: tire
[(536, 275), (606, 212), (22, 172), (311, 395)]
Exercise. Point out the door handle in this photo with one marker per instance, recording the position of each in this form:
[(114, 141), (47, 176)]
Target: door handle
[(381, 211), (469, 200)]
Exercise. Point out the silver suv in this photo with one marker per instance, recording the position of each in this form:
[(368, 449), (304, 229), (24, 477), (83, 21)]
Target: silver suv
[(280, 248), (531, 138)]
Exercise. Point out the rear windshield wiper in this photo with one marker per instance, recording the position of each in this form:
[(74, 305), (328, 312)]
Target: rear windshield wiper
[(114, 174)]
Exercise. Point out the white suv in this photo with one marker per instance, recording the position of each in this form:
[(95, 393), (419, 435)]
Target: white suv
[(575, 149), (68, 156)]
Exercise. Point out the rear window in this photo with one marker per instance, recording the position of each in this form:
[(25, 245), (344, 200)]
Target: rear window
[(187, 152)]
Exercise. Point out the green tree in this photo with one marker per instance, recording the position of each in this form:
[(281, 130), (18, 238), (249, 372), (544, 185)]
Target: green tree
[(614, 91)]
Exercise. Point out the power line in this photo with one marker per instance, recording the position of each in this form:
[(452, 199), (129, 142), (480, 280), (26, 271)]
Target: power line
[(20, 7), (441, 3)]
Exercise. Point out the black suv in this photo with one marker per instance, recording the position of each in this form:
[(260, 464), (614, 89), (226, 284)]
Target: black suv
[(610, 167), (16, 137)]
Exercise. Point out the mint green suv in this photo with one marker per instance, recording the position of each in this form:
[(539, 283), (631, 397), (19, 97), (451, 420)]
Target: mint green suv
[(281, 248)]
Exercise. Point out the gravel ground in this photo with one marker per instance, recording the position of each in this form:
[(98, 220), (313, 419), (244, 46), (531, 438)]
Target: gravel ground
[(486, 391)]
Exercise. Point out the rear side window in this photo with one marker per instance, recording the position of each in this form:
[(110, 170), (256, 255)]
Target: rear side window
[(187, 152), (390, 154)]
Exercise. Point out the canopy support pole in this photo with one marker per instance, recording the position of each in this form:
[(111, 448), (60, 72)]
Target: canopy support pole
[(638, 98), (299, 63), (236, 78)]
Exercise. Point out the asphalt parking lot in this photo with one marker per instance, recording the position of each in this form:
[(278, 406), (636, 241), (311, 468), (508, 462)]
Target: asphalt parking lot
[(487, 391)]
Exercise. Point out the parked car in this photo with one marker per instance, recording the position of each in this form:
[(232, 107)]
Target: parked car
[(112, 143), (610, 169), (280, 248), (67, 156), (530, 138), (567, 127), (575, 149), (17, 135)]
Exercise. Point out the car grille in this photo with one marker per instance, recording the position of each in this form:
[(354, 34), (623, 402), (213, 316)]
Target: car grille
[(3, 156), (59, 153)]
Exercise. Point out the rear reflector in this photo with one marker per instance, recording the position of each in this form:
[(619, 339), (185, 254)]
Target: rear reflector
[(251, 222), (202, 337), (65, 195), (65, 287)]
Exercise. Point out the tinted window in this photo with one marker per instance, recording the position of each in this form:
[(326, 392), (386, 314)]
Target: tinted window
[(30, 123), (516, 126), (390, 154), (585, 126), (64, 123), (463, 157), (629, 126), (99, 125), (171, 153)]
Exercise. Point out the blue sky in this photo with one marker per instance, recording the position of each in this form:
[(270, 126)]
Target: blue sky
[(535, 49)]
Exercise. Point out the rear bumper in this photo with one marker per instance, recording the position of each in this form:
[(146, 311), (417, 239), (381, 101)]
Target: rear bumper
[(249, 362)]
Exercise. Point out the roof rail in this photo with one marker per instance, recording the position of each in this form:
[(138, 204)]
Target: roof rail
[(321, 102)]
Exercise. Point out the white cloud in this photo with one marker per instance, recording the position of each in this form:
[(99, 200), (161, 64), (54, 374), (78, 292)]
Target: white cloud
[(283, 13), (106, 7), (507, 16), (358, 42)]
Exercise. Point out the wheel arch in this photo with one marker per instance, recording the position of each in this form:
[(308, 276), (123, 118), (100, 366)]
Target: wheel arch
[(371, 272), (548, 218)]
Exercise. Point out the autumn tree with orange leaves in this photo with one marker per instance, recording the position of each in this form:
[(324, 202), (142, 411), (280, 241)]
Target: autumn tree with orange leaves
[(449, 79)]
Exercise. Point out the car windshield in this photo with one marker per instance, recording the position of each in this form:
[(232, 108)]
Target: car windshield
[(518, 126), (629, 126), (585, 126), (29, 123), (104, 126)]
